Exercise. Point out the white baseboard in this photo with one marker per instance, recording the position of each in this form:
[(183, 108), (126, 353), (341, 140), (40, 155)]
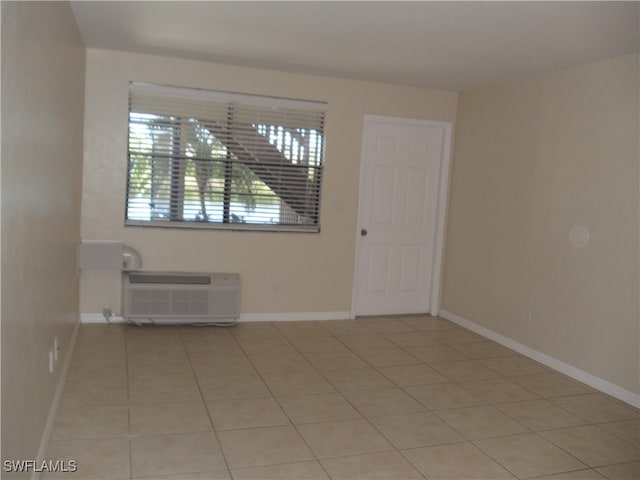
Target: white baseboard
[(53, 410), (293, 316), (98, 318), (596, 382)]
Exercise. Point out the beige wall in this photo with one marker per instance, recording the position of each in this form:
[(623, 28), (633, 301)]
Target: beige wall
[(42, 117), (314, 272), (533, 160)]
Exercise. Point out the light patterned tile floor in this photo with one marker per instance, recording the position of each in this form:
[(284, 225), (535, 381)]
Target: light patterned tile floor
[(404, 397)]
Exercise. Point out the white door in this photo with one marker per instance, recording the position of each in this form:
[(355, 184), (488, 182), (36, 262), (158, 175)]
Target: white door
[(403, 182)]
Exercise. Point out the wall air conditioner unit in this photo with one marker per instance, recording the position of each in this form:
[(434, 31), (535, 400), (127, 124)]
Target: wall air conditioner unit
[(181, 298)]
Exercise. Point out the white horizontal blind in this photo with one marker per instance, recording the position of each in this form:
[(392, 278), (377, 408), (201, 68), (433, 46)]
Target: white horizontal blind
[(214, 159)]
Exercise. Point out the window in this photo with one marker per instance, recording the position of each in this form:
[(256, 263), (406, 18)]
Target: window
[(200, 158)]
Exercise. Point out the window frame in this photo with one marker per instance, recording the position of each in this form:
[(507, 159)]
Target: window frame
[(178, 162)]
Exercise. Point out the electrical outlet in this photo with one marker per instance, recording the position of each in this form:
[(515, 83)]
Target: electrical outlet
[(56, 349)]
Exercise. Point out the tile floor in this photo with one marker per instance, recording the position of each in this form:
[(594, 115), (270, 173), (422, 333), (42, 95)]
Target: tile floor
[(394, 398)]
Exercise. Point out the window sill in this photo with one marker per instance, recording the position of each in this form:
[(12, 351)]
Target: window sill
[(230, 227)]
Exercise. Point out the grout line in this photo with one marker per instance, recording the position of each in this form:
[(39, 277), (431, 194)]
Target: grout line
[(204, 403), (126, 375), (292, 424)]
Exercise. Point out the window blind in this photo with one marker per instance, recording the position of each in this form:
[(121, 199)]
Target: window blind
[(210, 159)]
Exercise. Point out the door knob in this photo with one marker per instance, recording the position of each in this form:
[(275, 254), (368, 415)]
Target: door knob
[(363, 232)]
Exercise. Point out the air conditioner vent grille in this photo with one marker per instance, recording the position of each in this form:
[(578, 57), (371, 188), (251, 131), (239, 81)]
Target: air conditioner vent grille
[(166, 279), (148, 302)]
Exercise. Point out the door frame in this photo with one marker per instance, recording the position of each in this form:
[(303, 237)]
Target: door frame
[(441, 209)]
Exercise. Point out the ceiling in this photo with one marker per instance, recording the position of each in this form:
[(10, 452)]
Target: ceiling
[(448, 45)]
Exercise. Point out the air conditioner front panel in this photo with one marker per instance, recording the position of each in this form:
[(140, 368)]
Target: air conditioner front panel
[(218, 297), (225, 300)]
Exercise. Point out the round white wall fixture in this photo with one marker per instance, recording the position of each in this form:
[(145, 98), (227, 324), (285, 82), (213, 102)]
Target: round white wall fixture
[(579, 236)]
